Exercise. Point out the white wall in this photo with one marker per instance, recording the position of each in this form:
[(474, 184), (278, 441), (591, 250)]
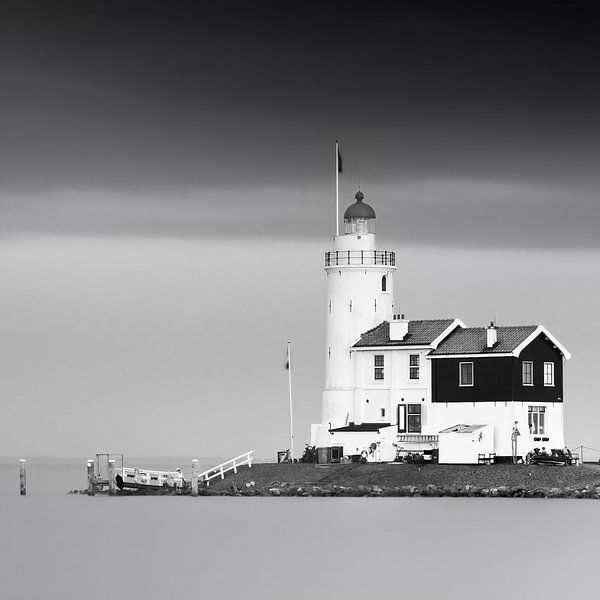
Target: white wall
[(501, 416), (465, 448), (396, 387), (355, 303)]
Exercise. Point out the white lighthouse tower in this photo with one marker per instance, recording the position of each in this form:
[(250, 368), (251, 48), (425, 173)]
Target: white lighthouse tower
[(360, 295)]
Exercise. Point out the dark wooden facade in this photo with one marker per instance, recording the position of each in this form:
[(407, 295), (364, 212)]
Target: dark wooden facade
[(499, 379)]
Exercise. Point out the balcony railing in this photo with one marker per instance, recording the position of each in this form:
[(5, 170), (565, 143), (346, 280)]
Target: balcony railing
[(359, 257)]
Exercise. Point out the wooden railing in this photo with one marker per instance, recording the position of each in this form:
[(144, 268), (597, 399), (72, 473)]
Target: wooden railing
[(230, 465)]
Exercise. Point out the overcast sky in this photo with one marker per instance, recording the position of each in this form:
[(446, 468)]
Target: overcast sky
[(166, 194)]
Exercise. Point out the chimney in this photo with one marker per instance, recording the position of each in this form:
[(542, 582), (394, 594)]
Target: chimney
[(398, 328), (492, 335)]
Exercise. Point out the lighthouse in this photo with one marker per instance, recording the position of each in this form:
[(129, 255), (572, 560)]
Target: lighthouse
[(396, 387), (360, 295)]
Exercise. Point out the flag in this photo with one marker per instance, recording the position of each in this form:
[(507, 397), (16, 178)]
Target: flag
[(339, 158)]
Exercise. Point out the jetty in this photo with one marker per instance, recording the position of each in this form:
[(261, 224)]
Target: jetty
[(107, 473)]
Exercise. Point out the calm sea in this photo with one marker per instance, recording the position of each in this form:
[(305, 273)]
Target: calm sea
[(59, 546)]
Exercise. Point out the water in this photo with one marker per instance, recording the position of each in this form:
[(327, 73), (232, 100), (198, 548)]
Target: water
[(59, 546)]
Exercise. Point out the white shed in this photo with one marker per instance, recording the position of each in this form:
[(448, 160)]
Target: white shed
[(463, 444)]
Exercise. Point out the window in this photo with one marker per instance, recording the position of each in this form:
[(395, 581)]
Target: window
[(527, 372), (378, 365), (549, 374), (409, 418), (537, 420), (465, 374), (413, 362), (413, 418), (384, 283), (382, 413)]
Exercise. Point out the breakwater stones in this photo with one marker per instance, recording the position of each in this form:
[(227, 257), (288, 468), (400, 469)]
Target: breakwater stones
[(591, 491)]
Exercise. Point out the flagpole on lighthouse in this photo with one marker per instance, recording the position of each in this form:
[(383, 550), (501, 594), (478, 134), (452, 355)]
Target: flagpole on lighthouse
[(337, 188), (289, 361)]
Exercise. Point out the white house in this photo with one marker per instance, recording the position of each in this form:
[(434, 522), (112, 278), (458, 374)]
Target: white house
[(393, 384)]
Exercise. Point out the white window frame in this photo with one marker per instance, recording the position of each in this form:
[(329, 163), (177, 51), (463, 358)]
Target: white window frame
[(526, 362), (549, 381), (378, 370), (541, 422), (460, 381), (417, 367)]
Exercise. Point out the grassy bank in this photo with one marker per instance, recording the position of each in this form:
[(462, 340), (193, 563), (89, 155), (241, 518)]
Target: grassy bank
[(407, 479)]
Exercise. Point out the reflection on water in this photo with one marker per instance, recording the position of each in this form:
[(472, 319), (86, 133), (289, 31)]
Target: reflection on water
[(56, 545)]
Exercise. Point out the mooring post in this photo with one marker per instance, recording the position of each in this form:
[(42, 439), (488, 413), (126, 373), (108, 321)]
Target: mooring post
[(23, 476), (195, 477), (111, 477), (90, 475)]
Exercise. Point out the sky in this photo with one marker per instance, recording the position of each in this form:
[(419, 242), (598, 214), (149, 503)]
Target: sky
[(167, 194)]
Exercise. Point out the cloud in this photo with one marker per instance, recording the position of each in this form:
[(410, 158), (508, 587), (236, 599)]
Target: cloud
[(428, 212)]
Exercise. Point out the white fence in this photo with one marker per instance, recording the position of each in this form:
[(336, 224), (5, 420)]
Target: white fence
[(230, 465)]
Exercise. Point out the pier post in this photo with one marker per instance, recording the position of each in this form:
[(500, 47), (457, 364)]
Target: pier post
[(90, 476), (111, 478), (23, 477), (195, 477)]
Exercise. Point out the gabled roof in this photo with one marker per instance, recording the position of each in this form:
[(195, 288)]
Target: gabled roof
[(511, 341), (473, 340), (420, 333)]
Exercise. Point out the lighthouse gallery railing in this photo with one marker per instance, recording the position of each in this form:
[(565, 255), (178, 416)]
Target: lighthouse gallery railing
[(359, 257)]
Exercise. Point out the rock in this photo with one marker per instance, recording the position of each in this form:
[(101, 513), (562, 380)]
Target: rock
[(363, 490), (376, 490), (503, 491), (470, 490), (494, 492), (555, 493), (432, 490), (274, 491)]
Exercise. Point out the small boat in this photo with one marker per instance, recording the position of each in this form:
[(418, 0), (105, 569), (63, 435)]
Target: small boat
[(145, 479)]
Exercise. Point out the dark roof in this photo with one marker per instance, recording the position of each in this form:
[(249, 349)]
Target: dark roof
[(473, 340), (419, 333), (359, 210), (361, 427)]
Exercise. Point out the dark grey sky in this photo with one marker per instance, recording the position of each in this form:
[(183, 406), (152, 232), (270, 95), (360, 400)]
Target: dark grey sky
[(167, 193), (215, 119)]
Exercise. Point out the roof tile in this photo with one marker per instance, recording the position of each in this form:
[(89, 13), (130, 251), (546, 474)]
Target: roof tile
[(473, 340), (420, 333)]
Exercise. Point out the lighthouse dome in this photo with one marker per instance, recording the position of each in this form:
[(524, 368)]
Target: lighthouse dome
[(359, 210)]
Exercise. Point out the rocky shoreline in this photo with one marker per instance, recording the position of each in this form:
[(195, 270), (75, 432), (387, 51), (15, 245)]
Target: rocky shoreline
[(392, 480), (375, 491)]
